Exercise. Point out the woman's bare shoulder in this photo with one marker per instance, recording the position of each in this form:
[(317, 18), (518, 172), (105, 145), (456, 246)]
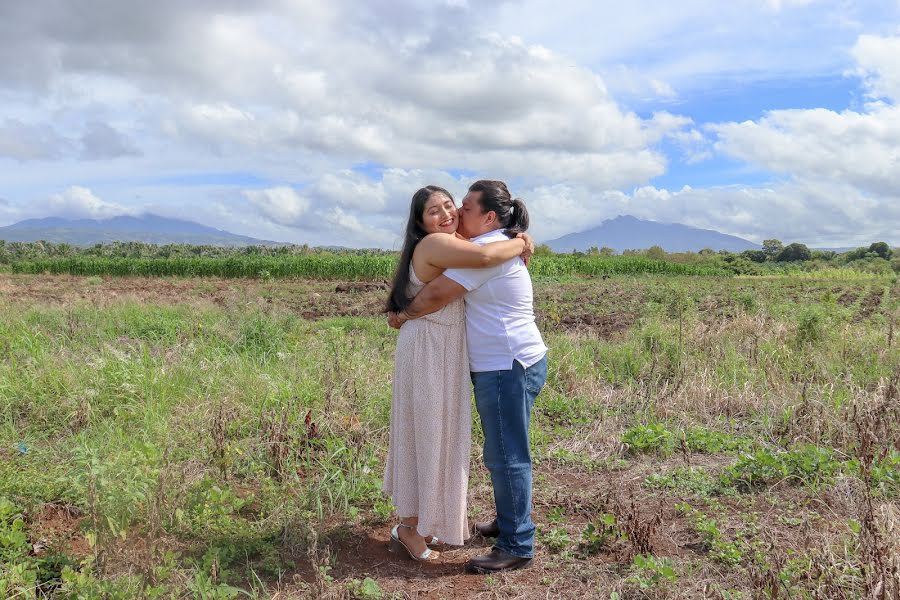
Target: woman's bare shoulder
[(437, 239), (439, 235)]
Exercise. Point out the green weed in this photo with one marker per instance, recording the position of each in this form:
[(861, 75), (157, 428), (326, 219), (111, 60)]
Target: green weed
[(810, 465), (599, 534), (648, 571)]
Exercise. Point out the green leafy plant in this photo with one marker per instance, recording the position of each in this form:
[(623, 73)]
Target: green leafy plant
[(366, 589), (599, 534), (649, 438), (556, 539), (811, 465), (692, 480), (649, 571), (720, 549)]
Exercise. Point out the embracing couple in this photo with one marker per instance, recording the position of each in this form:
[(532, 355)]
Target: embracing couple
[(462, 299)]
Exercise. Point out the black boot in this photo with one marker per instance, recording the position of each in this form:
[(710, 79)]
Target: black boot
[(489, 529), (497, 560)]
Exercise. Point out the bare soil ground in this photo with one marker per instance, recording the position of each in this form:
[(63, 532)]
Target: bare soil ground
[(788, 516)]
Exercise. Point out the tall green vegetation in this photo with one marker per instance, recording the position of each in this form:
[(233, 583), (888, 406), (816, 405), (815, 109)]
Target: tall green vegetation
[(336, 266), (136, 258)]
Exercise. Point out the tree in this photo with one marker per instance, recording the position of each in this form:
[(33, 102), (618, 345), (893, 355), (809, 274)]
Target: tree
[(656, 253), (772, 248), (857, 254), (793, 253), (757, 256), (825, 255), (881, 249), (607, 251)]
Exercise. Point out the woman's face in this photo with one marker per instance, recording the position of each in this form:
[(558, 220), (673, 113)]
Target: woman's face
[(439, 215)]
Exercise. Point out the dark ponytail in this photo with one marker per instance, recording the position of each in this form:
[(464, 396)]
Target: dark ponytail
[(518, 222), (398, 299), (511, 213)]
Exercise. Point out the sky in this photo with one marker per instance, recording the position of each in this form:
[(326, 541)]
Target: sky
[(315, 122)]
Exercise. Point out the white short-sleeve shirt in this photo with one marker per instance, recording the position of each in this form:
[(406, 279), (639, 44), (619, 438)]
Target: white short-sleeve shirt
[(500, 325)]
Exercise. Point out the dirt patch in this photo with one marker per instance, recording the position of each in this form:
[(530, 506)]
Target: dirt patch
[(67, 289), (358, 286), (56, 528), (361, 553), (846, 299), (604, 326), (870, 304)]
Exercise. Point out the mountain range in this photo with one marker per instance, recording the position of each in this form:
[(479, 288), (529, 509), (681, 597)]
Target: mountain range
[(150, 229), (630, 233), (620, 233)]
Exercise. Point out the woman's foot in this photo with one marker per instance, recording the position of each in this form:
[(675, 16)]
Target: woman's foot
[(410, 538), (399, 545)]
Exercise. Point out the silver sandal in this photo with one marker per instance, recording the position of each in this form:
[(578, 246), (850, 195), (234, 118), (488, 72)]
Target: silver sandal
[(397, 544)]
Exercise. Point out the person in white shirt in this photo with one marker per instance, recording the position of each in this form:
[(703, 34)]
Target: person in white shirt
[(507, 360)]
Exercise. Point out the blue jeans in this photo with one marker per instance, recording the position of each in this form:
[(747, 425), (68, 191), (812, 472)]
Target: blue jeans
[(504, 400)]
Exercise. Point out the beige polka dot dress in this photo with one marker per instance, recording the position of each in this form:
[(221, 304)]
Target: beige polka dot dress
[(427, 468)]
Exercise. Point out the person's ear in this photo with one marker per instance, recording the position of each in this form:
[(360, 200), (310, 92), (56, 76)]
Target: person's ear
[(491, 217)]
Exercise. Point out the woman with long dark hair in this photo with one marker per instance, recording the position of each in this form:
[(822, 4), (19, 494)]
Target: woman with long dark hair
[(427, 467)]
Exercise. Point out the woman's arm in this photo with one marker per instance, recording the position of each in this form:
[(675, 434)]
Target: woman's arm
[(445, 251)]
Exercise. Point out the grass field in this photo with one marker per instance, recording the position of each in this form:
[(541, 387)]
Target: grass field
[(699, 437)]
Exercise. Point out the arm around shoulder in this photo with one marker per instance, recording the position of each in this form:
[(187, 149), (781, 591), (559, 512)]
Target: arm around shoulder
[(449, 252)]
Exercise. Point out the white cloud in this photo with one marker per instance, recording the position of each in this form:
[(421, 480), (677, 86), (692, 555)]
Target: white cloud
[(283, 205), (406, 85), (350, 231), (352, 190), (80, 203), (878, 65), (695, 146), (352, 208), (862, 149)]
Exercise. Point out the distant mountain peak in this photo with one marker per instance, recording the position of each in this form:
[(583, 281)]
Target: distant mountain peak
[(627, 232), (148, 228)]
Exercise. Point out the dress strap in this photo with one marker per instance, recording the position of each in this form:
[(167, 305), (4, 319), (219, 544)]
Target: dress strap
[(412, 275)]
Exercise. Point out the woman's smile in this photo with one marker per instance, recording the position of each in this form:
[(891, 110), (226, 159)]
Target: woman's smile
[(440, 214)]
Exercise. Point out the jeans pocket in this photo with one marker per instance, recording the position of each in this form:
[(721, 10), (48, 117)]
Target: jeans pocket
[(534, 383), (536, 377), (534, 389)]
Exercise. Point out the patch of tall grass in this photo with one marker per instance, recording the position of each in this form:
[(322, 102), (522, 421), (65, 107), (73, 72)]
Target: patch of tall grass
[(336, 266)]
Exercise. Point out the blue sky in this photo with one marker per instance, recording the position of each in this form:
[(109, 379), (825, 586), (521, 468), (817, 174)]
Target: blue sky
[(315, 123), (750, 100)]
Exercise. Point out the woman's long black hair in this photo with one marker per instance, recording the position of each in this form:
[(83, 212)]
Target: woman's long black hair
[(398, 300)]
